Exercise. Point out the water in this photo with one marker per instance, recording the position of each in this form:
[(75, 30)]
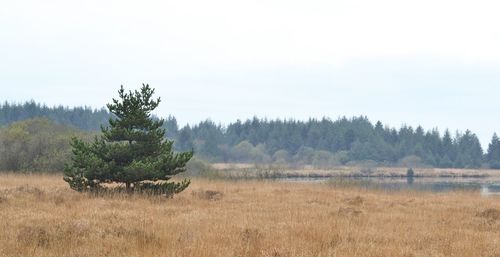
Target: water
[(487, 186)]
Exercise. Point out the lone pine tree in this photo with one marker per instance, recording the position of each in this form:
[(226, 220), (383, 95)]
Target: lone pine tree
[(131, 151)]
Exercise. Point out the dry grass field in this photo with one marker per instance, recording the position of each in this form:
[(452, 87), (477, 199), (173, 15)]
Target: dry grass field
[(41, 216)]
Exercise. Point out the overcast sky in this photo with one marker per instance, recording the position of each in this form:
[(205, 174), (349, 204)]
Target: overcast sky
[(429, 62)]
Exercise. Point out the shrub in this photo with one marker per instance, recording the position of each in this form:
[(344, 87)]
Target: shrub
[(197, 166), (410, 173)]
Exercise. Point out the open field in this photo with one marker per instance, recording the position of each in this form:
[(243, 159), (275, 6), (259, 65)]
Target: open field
[(41, 216)]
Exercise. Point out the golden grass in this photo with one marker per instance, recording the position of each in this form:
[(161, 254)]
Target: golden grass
[(40, 216)]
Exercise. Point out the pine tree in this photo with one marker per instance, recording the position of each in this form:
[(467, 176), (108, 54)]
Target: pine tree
[(184, 140), (448, 150), (493, 155), (131, 151)]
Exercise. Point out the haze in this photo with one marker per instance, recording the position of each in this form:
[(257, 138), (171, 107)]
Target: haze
[(433, 63)]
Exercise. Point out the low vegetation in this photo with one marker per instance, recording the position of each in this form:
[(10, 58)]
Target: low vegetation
[(40, 216), (37, 145)]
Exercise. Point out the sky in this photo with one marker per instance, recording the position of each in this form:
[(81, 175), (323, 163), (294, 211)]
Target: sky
[(431, 63)]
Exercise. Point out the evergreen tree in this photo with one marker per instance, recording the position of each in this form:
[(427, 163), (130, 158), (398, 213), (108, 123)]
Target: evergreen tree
[(171, 127), (184, 140), (470, 153), (493, 155), (131, 151), (448, 151), (210, 147)]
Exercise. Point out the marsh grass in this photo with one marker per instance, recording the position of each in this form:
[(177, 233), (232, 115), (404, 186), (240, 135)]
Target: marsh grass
[(41, 216)]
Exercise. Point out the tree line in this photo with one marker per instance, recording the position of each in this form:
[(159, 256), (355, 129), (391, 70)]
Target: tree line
[(84, 118), (318, 142), (345, 141)]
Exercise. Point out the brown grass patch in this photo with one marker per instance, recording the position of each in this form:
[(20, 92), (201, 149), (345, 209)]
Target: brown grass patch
[(41, 217), (207, 194), (358, 200), (490, 214), (349, 212)]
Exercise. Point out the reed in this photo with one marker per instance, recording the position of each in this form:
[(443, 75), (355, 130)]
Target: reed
[(41, 216)]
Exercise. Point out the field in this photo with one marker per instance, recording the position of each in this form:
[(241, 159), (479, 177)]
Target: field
[(41, 216)]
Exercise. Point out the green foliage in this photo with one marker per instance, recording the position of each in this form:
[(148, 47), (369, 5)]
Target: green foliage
[(281, 157), (410, 173), (304, 155), (163, 188), (184, 140), (445, 162), (493, 154), (246, 152), (323, 159), (411, 160), (84, 118), (350, 140), (242, 151), (132, 150), (341, 157), (470, 154), (36, 145), (196, 166)]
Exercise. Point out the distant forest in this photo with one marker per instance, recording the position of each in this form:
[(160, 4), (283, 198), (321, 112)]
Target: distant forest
[(84, 118), (319, 142)]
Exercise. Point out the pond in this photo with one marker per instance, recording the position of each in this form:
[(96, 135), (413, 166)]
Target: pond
[(487, 186)]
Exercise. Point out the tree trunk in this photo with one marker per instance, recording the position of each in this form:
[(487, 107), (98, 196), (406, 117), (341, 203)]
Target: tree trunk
[(127, 186)]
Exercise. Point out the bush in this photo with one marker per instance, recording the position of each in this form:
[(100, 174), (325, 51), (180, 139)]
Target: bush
[(197, 167), (411, 160), (322, 159), (36, 145), (341, 157), (246, 152), (410, 173), (242, 151), (281, 157), (304, 155)]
